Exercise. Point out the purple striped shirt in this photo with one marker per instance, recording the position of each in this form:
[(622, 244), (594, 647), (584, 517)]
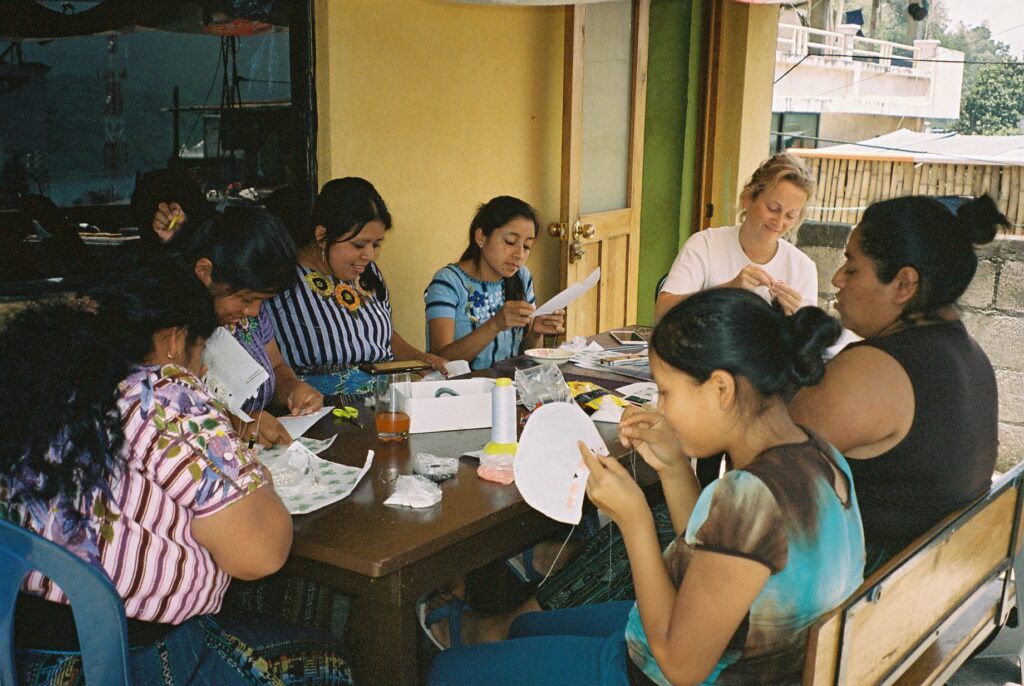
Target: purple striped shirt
[(182, 460)]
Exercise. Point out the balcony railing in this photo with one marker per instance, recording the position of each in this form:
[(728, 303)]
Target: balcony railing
[(844, 44)]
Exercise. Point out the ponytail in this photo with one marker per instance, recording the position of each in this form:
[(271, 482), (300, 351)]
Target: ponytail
[(922, 233), (737, 331)]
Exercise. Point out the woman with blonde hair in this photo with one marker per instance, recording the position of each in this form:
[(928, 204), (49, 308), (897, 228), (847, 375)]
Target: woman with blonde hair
[(750, 255)]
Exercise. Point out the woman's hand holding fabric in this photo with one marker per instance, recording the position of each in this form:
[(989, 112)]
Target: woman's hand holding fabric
[(514, 313), (650, 435), (613, 489), (788, 297), (553, 323), (268, 431), (750, 277), (304, 399)]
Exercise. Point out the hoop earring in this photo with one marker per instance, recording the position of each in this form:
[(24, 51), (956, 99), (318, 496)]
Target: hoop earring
[(171, 356)]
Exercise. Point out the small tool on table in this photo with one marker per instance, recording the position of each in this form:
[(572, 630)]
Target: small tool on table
[(349, 414)]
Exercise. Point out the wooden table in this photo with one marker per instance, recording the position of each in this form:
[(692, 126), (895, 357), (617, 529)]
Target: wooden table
[(387, 557)]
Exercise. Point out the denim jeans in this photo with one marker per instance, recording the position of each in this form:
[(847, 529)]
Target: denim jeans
[(580, 645)]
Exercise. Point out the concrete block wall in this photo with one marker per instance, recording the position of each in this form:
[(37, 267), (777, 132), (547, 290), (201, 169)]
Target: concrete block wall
[(992, 309)]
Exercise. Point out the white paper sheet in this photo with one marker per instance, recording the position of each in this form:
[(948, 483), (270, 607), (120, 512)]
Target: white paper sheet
[(641, 392), (305, 482), (314, 445), (232, 375), (549, 471), (297, 426), (574, 291)]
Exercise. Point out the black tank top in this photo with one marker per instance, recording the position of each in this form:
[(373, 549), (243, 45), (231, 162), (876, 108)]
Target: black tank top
[(947, 458)]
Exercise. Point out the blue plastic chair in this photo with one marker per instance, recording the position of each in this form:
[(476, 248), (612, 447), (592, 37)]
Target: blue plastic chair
[(96, 605)]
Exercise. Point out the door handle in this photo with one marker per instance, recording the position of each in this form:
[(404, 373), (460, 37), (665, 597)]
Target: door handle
[(581, 231), (576, 252), (558, 230), (578, 232)]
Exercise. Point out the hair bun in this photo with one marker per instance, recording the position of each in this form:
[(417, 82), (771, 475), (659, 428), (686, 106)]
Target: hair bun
[(979, 219), (811, 331)]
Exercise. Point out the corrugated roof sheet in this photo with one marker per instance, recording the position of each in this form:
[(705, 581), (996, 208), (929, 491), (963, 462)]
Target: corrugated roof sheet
[(912, 146)]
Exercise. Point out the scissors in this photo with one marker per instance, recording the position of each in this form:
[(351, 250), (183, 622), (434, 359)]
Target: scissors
[(349, 414)]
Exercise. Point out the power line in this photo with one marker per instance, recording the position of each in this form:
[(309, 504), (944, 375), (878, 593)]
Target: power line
[(791, 68), (875, 76), (894, 58)]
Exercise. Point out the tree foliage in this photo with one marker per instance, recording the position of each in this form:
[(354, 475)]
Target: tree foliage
[(993, 94), (994, 104)]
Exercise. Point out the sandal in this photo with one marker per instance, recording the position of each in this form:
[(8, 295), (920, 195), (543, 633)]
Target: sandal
[(522, 566), (439, 606)]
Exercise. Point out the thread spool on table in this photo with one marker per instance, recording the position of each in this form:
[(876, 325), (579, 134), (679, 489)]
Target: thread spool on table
[(503, 418)]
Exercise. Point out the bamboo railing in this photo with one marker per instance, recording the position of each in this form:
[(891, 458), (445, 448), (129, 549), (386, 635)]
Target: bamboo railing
[(847, 186)]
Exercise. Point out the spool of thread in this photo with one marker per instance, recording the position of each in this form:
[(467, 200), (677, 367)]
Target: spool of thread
[(503, 418)]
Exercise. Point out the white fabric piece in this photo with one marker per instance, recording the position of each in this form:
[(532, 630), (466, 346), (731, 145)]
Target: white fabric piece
[(609, 411), (549, 471), (232, 375), (413, 490)]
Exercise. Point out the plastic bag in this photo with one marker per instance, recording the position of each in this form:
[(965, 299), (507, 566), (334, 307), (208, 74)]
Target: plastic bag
[(542, 384), (435, 468), (497, 468), (412, 490)]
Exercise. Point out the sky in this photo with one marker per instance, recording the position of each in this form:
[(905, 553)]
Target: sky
[(1001, 15)]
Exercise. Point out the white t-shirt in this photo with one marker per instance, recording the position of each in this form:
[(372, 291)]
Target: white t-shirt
[(714, 256)]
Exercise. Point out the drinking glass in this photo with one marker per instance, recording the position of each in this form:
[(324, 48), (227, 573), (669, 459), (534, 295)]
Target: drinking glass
[(392, 392)]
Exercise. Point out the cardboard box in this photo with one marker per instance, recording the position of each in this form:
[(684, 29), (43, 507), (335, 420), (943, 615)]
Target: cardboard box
[(470, 409)]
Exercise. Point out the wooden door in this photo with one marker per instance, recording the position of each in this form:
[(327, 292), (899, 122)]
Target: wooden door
[(602, 159)]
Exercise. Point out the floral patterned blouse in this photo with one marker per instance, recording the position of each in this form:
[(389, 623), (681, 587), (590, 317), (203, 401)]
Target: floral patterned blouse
[(181, 461)]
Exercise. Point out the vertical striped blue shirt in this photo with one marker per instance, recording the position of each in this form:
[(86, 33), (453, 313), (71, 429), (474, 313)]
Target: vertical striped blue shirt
[(315, 329)]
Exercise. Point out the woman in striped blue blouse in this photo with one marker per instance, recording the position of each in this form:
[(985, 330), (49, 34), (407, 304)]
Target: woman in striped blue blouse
[(338, 314), (479, 308)]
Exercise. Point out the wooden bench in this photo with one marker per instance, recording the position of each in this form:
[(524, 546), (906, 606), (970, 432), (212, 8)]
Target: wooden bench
[(921, 616)]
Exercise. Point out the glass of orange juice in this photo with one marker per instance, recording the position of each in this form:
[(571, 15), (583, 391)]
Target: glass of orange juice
[(392, 392)]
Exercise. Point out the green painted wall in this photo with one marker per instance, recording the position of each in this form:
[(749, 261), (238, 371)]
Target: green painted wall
[(669, 141)]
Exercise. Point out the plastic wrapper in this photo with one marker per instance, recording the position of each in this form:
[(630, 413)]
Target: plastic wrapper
[(609, 409), (496, 468), (413, 490), (435, 468), (541, 385)]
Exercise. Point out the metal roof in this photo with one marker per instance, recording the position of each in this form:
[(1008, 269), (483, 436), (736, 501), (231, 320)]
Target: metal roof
[(937, 148)]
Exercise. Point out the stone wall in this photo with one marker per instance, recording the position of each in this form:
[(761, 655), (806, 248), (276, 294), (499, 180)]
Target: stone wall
[(993, 311)]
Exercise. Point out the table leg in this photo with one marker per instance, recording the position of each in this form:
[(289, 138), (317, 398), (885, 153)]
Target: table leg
[(382, 636)]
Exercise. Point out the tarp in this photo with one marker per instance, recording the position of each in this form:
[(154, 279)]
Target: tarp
[(912, 146)]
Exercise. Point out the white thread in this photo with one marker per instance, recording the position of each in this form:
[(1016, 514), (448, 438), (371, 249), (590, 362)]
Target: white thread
[(503, 413), (557, 555)]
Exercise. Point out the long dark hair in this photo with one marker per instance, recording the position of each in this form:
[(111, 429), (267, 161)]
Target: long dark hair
[(343, 208), (737, 331), (923, 233), (61, 432), (490, 217), (249, 247)]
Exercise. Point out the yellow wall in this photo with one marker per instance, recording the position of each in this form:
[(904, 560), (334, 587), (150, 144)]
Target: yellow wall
[(746, 69), (442, 106)]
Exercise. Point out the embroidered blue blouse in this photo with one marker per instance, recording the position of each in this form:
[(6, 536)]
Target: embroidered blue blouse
[(454, 294)]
